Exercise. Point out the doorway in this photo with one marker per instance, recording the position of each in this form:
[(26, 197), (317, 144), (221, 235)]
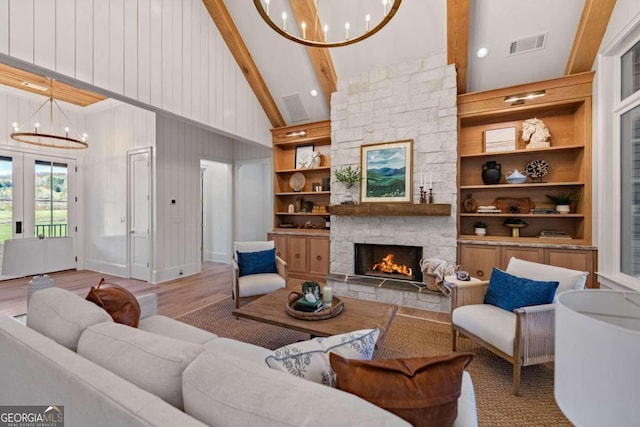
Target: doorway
[(37, 196), (139, 213), (216, 203)]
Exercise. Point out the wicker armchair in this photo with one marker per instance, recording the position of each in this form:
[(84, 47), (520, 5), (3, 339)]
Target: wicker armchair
[(256, 284), (524, 337)]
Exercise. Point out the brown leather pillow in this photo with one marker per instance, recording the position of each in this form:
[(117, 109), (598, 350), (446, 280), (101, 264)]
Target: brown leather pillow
[(424, 390), (121, 304)]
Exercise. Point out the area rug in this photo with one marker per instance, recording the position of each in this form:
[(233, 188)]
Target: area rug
[(413, 337)]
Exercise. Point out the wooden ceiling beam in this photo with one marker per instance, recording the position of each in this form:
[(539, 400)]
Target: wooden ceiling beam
[(305, 11), (458, 40), (220, 15), (593, 24), (14, 77)]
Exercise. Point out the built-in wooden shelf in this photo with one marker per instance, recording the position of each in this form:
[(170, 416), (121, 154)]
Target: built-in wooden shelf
[(392, 209)]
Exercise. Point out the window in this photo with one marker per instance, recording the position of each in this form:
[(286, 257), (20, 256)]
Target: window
[(630, 67), (630, 192), (6, 198), (51, 199)]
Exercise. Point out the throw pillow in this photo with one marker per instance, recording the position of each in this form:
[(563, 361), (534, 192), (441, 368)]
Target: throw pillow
[(121, 304), (310, 359), (257, 262), (510, 292), (424, 390)]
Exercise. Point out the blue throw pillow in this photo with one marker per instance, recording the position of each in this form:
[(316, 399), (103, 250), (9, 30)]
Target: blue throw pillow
[(257, 262), (510, 292)]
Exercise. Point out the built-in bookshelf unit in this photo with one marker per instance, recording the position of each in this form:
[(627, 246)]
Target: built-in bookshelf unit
[(566, 110)]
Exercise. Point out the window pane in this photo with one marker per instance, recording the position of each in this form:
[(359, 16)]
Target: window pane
[(6, 198), (630, 193), (51, 199), (630, 68)]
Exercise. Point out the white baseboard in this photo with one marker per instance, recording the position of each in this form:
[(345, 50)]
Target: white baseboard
[(113, 269), (159, 276)]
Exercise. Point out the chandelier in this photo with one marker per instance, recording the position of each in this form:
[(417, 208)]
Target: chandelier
[(327, 23), (66, 138)]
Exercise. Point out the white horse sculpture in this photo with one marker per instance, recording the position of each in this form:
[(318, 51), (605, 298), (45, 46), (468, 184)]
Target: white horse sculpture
[(536, 131)]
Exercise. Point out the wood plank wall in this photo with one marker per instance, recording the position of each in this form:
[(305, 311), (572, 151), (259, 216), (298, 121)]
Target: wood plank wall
[(164, 53)]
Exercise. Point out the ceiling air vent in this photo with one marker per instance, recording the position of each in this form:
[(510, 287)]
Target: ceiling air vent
[(528, 44), (295, 108)]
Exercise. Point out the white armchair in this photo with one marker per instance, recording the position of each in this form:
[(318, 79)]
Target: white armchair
[(523, 337), (249, 285)]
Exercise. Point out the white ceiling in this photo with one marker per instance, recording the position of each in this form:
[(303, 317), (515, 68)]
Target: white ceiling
[(417, 30)]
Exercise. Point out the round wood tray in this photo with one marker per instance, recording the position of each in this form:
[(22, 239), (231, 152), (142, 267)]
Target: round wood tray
[(336, 308)]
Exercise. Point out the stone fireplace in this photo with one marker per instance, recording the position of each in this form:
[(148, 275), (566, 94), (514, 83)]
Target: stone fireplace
[(411, 100), (388, 261)]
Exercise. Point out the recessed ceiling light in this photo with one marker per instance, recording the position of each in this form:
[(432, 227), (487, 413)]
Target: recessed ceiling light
[(314, 92), (482, 52)]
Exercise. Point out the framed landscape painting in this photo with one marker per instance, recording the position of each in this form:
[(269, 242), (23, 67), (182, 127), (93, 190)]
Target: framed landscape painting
[(386, 172)]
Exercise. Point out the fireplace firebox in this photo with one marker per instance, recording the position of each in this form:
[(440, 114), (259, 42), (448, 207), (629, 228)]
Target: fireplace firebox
[(388, 261)]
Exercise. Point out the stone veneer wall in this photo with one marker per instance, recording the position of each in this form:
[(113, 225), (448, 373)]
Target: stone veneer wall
[(411, 100)]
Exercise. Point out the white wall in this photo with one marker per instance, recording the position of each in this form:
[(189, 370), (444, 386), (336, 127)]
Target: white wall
[(111, 134), (164, 53), (254, 200), (217, 200)]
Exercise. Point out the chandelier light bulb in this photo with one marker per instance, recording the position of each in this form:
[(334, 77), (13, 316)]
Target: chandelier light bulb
[(326, 31), (267, 7), (37, 125), (304, 29), (15, 127), (284, 21), (367, 19), (346, 28), (66, 132), (384, 6)]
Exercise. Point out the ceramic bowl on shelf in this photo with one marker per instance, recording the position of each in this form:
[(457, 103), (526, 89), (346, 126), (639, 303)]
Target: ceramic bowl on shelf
[(516, 177)]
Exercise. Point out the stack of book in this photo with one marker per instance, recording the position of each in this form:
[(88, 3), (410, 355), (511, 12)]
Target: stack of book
[(309, 307), (553, 234), (488, 209)]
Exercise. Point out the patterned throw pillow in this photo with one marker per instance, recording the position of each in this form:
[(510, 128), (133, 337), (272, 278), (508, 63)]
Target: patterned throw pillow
[(257, 262), (310, 359)]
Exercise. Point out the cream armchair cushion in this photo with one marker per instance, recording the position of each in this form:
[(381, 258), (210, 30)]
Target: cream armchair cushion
[(256, 284)]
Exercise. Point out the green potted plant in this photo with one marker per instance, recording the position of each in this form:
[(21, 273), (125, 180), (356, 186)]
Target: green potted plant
[(563, 201), (480, 228), (349, 176)]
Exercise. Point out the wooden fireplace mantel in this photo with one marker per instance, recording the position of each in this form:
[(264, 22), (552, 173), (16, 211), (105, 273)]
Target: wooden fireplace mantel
[(392, 209)]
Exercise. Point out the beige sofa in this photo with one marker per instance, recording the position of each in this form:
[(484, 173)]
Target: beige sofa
[(166, 373)]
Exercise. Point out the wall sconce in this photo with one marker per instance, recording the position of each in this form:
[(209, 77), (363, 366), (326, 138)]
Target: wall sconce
[(521, 97)]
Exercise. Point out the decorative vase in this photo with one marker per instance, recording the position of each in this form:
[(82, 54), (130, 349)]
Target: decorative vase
[(480, 231), (348, 198), (469, 204), (491, 173), (563, 209)]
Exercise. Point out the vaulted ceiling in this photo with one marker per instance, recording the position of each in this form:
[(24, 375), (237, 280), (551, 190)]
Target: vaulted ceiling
[(282, 73)]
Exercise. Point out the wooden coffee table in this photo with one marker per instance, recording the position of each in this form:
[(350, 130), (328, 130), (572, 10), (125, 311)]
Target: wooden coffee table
[(357, 314)]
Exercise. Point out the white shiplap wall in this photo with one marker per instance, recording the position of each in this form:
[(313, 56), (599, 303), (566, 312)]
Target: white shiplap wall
[(111, 134), (180, 147), (165, 53)]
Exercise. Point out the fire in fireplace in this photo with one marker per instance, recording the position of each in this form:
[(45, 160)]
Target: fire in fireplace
[(388, 261), (388, 266)]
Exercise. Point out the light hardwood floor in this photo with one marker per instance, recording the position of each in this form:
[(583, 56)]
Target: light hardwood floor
[(175, 298)]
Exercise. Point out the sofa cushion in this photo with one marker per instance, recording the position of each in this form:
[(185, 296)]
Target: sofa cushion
[(495, 325), (567, 278), (152, 362), (510, 292), (63, 316), (222, 390), (422, 390), (242, 350), (310, 359), (171, 328), (257, 262)]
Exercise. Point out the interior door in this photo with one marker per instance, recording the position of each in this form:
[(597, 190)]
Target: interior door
[(37, 196), (139, 177)]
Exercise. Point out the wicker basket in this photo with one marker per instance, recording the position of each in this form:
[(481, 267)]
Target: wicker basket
[(336, 308)]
